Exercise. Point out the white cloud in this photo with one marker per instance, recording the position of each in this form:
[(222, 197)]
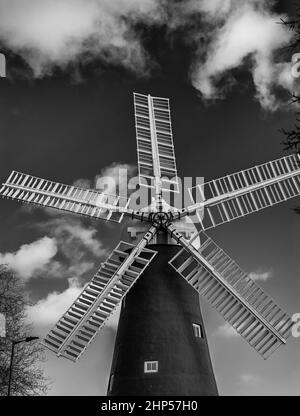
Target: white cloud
[(228, 33), (79, 250), (47, 32), (226, 331), (31, 258), (240, 30), (47, 311), (113, 179), (260, 276)]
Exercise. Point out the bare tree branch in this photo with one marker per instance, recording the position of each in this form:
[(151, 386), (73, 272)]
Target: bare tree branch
[(28, 378)]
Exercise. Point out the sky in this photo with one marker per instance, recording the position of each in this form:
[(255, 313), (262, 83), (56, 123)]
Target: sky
[(66, 111)]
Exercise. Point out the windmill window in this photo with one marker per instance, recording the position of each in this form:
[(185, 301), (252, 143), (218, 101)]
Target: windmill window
[(198, 331), (150, 366), (111, 380)]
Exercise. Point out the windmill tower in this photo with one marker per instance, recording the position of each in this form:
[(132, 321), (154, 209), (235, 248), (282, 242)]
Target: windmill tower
[(161, 345)]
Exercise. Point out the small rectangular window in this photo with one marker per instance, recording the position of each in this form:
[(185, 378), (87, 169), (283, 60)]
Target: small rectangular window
[(198, 331), (111, 380), (150, 366), (2, 326)]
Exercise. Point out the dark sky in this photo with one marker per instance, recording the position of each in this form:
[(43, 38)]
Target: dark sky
[(62, 129)]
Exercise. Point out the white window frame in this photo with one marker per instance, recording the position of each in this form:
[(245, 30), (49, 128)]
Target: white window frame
[(198, 332), (2, 326), (111, 381), (150, 366)]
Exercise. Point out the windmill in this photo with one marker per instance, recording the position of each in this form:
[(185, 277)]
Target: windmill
[(161, 345)]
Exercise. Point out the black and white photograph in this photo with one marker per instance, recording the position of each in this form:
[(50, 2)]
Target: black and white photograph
[(150, 202)]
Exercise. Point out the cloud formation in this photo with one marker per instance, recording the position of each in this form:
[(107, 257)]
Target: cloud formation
[(57, 32), (79, 254), (243, 33), (70, 250), (48, 310), (223, 35), (79, 249), (31, 258), (70, 231), (113, 179)]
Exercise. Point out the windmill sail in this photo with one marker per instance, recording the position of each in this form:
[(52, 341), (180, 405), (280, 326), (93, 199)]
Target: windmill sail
[(78, 326), (241, 302), (242, 193), (156, 157), (91, 203)]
